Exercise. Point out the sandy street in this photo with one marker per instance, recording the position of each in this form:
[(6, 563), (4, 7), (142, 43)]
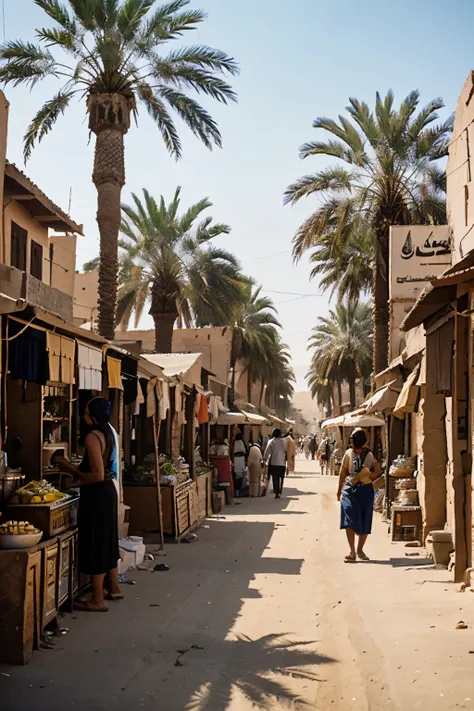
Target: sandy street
[(263, 613)]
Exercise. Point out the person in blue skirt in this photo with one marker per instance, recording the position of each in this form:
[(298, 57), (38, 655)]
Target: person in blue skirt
[(359, 469)]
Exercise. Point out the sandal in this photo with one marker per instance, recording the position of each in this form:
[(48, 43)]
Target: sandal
[(114, 596), (350, 558), (87, 606), (363, 556)]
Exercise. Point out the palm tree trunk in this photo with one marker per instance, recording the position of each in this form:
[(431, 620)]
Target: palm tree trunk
[(380, 294), (352, 393), (339, 391), (164, 325), (249, 383), (109, 119), (329, 402), (262, 389)]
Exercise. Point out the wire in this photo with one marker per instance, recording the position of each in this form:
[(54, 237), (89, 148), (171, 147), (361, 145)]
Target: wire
[(266, 256), (289, 293)]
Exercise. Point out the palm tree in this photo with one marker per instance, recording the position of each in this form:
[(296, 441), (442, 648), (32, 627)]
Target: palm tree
[(320, 387), (342, 345), (167, 258), (391, 178), (117, 60), (254, 333), (345, 266)]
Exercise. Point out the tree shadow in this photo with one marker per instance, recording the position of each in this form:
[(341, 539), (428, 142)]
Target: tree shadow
[(408, 562), (259, 670)]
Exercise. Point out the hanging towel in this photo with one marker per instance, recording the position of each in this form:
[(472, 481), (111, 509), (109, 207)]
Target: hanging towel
[(203, 414), (27, 354), (53, 344), (165, 399), (140, 395), (114, 378), (89, 360), (68, 352), (151, 398)]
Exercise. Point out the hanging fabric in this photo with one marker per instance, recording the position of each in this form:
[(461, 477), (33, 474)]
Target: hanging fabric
[(68, 352), (164, 400), (90, 367), (27, 354), (53, 344), (114, 377), (140, 396), (151, 398), (203, 414), (130, 389)]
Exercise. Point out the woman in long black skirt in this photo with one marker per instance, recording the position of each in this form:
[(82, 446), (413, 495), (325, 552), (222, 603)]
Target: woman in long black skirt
[(98, 516)]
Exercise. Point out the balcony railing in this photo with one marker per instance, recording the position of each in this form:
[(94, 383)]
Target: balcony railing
[(20, 285)]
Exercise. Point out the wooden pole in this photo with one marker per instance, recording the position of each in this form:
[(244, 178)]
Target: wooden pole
[(156, 434)]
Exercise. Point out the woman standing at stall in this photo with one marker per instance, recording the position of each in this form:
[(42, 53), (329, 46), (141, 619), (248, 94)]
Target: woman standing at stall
[(275, 458), (240, 465), (359, 469), (98, 504)]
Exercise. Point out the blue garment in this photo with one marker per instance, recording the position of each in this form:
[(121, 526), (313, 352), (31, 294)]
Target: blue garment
[(357, 508), (27, 355)]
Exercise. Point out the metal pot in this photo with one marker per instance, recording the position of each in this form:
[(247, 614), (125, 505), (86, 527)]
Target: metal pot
[(10, 481)]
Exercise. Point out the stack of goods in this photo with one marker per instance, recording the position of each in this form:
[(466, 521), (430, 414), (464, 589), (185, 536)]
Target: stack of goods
[(37, 492), (403, 470), (182, 471)]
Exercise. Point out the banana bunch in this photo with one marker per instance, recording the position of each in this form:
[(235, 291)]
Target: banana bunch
[(37, 492)]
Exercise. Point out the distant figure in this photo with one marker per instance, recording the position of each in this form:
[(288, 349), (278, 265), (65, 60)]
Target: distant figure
[(324, 454), (240, 465), (306, 447), (290, 446), (255, 460), (312, 446), (275, 458)]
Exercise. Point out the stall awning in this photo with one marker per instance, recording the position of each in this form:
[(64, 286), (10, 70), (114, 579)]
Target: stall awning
[(406, 401), (431, 300), (254, 419), (186, 366), (384, 399), (333, 422), (231, 418), (362, 420)]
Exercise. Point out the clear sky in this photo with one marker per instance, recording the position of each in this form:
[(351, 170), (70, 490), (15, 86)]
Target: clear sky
[(298, 60)]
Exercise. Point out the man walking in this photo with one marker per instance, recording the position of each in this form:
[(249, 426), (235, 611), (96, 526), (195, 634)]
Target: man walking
[(275, 459)]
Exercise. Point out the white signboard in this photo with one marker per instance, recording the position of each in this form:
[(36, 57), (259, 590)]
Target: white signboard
[(417, 255)]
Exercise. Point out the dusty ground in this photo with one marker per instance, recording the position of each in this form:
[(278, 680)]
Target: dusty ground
[(272, 618)]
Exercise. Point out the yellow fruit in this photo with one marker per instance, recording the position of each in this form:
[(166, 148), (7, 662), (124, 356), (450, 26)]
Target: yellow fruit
[(35, 500), (49, 497)]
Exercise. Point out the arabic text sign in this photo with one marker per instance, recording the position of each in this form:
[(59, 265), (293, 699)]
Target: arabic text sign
[(417, 254)]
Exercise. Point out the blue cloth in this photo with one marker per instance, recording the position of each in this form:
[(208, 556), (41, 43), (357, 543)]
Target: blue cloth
[(357, 508), (27, 355)]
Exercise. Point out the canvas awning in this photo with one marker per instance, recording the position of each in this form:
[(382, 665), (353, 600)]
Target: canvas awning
[(384, 399), (231, 418), (184, 366), (361, 420), (253, 418), (333, 422), (431, 300), (406, 401)]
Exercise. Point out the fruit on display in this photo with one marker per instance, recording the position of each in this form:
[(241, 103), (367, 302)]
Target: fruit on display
[(17, 528), (37, 492)]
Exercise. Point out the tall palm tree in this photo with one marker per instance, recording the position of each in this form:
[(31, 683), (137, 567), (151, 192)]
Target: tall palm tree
[(254, 332), (342, 343), (167, 258), (345, 266), (320, 387), (391, 177), (112, 54)]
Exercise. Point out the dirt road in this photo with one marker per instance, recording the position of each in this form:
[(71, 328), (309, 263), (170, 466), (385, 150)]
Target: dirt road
[(261, 612)]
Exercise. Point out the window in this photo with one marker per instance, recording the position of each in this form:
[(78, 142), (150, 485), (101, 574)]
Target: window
[(19, 239), (36, 260)]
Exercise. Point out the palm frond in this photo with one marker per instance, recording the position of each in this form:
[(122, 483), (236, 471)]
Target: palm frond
[(45, 119)]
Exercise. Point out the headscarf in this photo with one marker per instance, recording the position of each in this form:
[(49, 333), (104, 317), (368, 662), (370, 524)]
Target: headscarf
[(276, 433), (100, 410)]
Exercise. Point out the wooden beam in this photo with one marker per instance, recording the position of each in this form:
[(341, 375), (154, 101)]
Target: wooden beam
[(20, 196)]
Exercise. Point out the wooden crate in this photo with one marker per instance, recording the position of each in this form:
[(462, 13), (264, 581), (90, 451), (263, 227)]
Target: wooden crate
[(406, 519), (20, 604), (52, 519)]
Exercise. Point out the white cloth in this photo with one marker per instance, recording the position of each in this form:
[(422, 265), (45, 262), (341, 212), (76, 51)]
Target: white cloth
[(255, 455), (239, 457), (348, 461), (275, 453), (90, 367), (164, 403)]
